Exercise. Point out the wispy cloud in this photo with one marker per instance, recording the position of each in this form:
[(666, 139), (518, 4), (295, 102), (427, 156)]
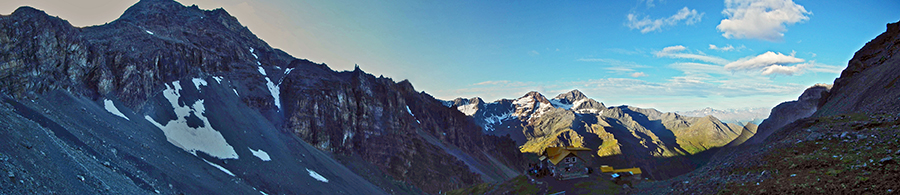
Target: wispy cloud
[(638, 74), (728, 47), (619, 69), (614, 62), (693, 68), (670, 49), (625, 51), (502, 83), (492, 82), (676, 52), (815, 67), (645, 24), (534, 53), (649, 2), (760, 19)]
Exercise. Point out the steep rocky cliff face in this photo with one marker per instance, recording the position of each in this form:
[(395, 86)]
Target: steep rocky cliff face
[(165, 65), (663, 144), (869, 83), (790, 111)]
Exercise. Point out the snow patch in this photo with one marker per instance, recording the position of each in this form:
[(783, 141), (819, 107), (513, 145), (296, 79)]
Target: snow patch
[(347, 134), (148, 32), (493, 120), (468, 109), (414, 115), (276, 92), (111, 108), (578, 103), (254, 54), (198, 82), (218, 79), (315, 175), (262, 155), (446, 103), (261, 70), (288, 71), (541, 109), (204, 139), (557, 103), (236, 93), (523, 101), (220, 167)]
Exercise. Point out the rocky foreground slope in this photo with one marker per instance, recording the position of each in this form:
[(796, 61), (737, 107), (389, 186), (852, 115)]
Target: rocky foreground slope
[(662, 144), (175, 99), (847, 145)]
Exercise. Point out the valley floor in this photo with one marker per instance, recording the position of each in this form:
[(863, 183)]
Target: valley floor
[(526, 184)]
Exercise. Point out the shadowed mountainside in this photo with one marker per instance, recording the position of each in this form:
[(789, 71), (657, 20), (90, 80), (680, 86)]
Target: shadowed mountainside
[(203, 93)]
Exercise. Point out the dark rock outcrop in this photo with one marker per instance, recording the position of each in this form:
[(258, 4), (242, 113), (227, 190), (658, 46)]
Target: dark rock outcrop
[(790, 111)]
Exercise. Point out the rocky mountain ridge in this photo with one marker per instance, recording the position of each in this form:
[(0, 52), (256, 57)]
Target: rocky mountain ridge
[(216, 106), (621, 136)]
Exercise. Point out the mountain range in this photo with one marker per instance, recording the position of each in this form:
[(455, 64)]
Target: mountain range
[(171, 99), (740, 116), (177, 100), (836, 138), (665, 144)]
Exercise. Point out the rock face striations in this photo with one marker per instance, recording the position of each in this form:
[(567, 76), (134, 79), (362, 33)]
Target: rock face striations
[(869, 83), (175, 99), (660, 143), (788, 112)]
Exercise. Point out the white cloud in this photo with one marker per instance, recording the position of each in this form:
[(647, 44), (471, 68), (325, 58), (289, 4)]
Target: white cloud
[(764, 61), (638, 74), (534, 53), (785, 70), (760, 19), (675, 52), (689, 16)]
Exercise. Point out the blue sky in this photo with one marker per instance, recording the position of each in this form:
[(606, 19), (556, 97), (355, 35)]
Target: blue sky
[(669, 55)]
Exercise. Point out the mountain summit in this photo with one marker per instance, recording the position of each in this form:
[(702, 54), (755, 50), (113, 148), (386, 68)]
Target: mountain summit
[(177, 100)]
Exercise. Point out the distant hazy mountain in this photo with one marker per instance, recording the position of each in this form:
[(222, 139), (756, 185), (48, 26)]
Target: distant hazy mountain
[(623, 135), (742, 116)]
